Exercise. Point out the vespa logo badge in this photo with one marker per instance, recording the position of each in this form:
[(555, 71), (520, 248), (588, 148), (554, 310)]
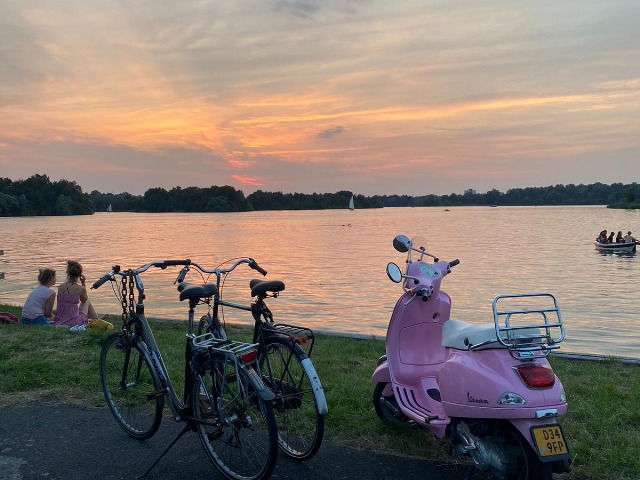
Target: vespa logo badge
[(471, 399)]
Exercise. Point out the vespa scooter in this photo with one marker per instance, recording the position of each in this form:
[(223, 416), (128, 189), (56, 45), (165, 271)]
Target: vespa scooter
[(487, 388)]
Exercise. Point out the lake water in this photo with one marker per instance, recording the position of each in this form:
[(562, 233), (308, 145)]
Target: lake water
[(333, 262)]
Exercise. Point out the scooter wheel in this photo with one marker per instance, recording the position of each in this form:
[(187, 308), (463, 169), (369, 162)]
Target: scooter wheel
[(529, 466), (388, 410)]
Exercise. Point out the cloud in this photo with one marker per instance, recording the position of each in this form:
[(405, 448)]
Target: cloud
[(253, 181), (122, 95), (331, 132)]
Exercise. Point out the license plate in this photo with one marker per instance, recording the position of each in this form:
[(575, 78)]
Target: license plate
[(550, 442)]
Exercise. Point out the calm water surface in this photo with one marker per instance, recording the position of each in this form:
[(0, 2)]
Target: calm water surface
[(333, 262)]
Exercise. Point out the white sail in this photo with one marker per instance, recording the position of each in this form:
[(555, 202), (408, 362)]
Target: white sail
[(109, 208), (351, 206)]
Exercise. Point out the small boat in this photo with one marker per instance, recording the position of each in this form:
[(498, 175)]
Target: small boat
[(627, 247), (109, 209), (351, 206)]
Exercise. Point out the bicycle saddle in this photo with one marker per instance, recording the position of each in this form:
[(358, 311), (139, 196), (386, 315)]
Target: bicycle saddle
[(195, 291), (260, 287)]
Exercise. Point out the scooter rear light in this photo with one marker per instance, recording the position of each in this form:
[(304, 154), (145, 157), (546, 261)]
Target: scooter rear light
[(537, 376)]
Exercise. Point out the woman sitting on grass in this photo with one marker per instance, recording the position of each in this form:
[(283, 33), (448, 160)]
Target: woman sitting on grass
[(74, 308), (38, 308)]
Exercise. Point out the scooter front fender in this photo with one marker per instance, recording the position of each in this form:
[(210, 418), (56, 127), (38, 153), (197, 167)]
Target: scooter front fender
[(382, 373)]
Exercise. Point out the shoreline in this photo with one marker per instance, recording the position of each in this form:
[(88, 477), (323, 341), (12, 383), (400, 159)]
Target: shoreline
[(590, 357)]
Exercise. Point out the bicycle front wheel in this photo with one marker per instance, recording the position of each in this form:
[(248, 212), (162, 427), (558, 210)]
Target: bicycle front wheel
[(300, 423), (236, 427), (130, 387)]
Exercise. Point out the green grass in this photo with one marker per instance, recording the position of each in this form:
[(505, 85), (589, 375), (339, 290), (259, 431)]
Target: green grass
[(45, 364)]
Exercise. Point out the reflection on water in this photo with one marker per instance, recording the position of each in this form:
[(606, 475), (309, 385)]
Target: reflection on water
[(333, 262)]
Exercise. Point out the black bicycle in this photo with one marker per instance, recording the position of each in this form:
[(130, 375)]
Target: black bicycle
[(224, 400), (283, 358)]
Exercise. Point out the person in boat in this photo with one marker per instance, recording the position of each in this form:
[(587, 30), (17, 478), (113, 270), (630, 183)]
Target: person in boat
[(74, 308), (38, 308), (610, 240), (628, 238), (619, 237), (602, 238)]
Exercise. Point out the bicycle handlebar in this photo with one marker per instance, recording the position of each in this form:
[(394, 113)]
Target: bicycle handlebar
[(98, 283), (115, 270), (221, 271), (167, 263), (183, 273), (253, 264)]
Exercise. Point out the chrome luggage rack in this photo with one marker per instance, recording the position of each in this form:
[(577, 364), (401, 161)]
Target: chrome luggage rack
[(229, 347), (524, 338)]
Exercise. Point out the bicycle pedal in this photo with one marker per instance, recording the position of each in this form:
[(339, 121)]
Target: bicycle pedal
[(154, 395)]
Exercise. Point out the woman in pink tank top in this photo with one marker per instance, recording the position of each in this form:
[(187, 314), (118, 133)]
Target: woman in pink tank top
[(74, 308)]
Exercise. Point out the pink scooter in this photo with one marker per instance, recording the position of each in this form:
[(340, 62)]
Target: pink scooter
[(487, 388)]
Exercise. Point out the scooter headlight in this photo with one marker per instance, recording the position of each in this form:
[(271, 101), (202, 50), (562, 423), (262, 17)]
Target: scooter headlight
[(510, 398)]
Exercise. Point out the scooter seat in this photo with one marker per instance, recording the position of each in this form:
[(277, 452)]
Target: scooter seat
[(462, 335)]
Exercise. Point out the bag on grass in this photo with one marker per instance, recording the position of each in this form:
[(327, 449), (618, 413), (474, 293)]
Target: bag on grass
[(8, 318)]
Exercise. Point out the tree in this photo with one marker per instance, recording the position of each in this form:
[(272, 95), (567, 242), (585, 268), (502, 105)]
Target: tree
[(9, 206)]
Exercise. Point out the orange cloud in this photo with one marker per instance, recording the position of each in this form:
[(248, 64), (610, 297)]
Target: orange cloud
[(253, 181)]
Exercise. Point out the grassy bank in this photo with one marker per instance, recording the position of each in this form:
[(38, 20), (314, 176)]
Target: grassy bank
[(603, 424)]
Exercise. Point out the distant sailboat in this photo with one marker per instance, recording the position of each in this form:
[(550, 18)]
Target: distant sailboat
[(109, 209), (351, 206)]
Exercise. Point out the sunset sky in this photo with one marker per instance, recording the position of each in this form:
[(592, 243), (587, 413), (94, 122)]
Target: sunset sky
[(371, 96)]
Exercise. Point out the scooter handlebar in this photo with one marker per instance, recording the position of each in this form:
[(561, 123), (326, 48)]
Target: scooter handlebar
[(453, 263)]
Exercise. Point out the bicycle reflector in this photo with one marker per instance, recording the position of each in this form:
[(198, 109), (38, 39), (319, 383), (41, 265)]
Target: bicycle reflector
[(537, 376), (248, 357), (299, 340)]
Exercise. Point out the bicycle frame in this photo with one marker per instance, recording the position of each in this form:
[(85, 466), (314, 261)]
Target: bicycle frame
[(263, 323), (151, 350), (234, 388), (143, 335)]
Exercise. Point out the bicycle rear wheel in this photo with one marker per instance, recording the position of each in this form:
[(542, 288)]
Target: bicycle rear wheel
[(129, 382), (300, 423), (236, 426)]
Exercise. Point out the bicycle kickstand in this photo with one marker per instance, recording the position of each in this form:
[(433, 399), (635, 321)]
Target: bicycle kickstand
[(186, 428)]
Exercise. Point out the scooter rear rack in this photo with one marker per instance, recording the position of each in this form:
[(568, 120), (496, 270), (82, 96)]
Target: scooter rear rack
[(528, 332)]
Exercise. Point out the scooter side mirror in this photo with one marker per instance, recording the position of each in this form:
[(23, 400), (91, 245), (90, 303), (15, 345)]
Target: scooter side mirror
[(402, 243), (394, 273)]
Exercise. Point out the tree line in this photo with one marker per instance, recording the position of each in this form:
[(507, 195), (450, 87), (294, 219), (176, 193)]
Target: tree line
[(38, 195)]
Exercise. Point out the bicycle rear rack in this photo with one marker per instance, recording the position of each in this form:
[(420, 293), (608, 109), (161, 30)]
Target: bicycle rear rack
[(299, 335), (226, 347), (527, 339)]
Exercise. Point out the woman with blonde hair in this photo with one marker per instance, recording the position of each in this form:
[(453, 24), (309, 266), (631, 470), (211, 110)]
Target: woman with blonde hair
[(38, 308), (74, 308)]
